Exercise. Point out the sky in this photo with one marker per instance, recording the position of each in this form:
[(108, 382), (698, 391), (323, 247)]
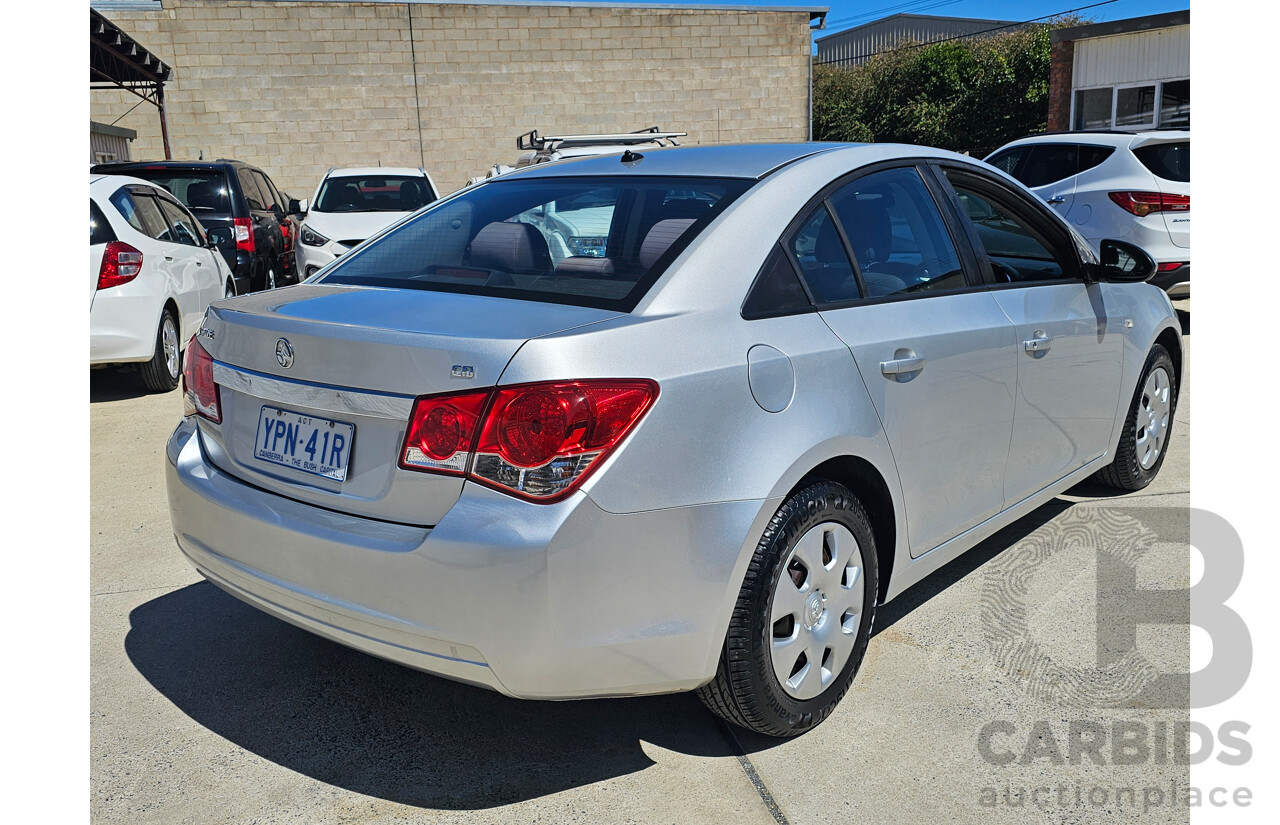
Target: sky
[(846, 14)]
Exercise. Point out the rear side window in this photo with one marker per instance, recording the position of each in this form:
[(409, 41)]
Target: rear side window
[(201, 192), (599, 242), (1171, 161), (1049, 163), (822, 259), (1091, 156), (142, 214), (100, 230), (270, 196)]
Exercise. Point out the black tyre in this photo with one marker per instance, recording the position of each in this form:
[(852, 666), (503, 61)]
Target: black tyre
[(161, 373), (1148, 426), (229, 289), (803, 617)]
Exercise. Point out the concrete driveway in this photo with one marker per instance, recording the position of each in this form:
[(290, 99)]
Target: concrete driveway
[(204, 710)]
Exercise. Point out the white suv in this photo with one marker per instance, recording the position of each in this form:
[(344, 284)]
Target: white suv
[(351, 205), (1134, 187)]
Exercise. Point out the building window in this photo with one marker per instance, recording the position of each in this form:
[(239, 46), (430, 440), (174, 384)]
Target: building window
[(1093, 109), (1175, 104), (1163, 105), (1136, 107)]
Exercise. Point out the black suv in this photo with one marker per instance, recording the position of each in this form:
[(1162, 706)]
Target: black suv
[(241, 197)]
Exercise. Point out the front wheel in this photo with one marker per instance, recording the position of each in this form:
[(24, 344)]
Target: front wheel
[(1148, 425), (161, 373), (803, 617)]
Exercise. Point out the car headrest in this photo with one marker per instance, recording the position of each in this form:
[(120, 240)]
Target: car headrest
[(205, 194), (511, 247), (661, 237), (870, 231), (583, 266)]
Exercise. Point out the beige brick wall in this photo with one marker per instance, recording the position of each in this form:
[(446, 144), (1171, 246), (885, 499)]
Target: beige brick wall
[(298, 87)]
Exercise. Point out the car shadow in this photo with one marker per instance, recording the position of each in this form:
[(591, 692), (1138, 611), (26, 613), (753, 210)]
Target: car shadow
[(382, 730), (115, 384)]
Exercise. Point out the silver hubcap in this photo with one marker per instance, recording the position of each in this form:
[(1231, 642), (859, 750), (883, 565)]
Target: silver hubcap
[(169, 342), (816, 610), (1152, 422)]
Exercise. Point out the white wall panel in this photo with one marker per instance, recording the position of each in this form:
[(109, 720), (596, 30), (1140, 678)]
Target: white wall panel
[(1131, 58)]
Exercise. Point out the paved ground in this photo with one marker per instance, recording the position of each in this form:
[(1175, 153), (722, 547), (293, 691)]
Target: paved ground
[(204, 710)]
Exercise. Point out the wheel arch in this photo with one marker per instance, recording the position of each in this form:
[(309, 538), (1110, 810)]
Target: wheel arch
[(1172, 342), (866, 482)]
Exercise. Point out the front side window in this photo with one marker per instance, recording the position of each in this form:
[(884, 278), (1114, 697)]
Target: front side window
[(897, 234), (185, 230), (598, 242), (373, 193), (1019, 252)]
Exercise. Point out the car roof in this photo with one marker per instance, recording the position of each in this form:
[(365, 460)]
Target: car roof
[(99, 183), (1102, 138), (405, 171), (750, 161)]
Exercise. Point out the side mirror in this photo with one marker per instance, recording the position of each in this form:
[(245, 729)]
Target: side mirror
[(218, 236), (298, 207), (1123, 262)]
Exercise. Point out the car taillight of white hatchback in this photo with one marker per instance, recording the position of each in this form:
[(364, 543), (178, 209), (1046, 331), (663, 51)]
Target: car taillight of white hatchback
[(535, 441)]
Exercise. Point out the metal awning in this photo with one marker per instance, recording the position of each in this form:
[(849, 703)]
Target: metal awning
[(117, 61)]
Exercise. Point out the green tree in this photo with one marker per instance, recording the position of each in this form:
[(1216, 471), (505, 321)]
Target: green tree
[(964, 94)]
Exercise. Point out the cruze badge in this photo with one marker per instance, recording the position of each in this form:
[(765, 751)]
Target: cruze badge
[(284, 353), (462, 371)]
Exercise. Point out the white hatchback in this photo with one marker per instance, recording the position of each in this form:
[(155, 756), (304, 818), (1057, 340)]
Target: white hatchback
[(351, 205), (152, 274), (1129, 186)]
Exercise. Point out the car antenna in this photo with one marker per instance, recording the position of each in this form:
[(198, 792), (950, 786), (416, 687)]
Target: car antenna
[(631, 157)]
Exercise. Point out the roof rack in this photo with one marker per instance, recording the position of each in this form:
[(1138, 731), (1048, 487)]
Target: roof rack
[(533, 140)]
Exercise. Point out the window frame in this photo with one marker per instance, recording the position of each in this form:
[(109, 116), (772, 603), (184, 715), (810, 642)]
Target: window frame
[(1154, 125), (1044, 223), (942, 201)]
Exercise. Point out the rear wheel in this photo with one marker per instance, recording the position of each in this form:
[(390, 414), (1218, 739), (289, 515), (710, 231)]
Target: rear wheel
[(229, 291), (1145, 438), (160, 374), (803, 617)]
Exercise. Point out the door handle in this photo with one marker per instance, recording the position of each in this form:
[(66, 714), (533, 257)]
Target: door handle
[(901, 367), (199, 263), (1058, 199), (168, 257), (1038, 344)]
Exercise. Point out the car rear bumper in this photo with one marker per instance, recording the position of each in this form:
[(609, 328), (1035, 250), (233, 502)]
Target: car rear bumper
[(535, 601), (1176, 282)]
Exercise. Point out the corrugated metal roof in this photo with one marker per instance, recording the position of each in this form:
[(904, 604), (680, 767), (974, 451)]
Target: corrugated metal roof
[(852, 46), (814, 12)]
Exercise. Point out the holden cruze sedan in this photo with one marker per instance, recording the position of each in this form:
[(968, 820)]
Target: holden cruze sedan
[(790, 382)]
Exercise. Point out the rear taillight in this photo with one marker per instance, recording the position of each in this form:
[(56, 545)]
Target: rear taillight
[(535, 441), (121, 263), (244, 234), (1146, 203), (199, 390)]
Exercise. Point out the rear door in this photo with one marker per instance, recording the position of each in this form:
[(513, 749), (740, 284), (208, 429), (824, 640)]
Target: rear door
[(1069, 338), (935, 352), (200, 281)]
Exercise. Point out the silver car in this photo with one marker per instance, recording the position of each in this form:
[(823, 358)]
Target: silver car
[(790, 382)]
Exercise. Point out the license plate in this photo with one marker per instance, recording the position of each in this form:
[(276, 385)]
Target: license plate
[(304, 442)]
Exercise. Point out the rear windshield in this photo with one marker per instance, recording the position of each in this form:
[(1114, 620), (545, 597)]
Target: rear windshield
[(1171, 161), (374, 193), (598, 242), (201, 192)]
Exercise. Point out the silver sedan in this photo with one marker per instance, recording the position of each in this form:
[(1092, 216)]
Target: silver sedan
[(668, 421)]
